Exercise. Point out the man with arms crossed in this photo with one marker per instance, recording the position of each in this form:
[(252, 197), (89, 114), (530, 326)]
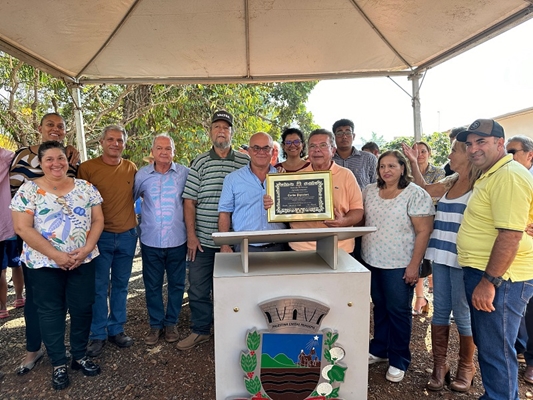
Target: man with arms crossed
[(113, 176), (496, 255), (201, 196)]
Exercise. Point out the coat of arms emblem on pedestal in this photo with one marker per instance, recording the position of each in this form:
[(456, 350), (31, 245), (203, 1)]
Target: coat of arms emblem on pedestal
[(293, 359)]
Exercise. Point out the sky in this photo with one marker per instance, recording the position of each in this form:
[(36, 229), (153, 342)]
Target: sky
[(490, 80)]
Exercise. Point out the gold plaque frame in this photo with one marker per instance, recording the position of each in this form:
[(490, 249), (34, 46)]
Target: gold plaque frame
[(296, 185)]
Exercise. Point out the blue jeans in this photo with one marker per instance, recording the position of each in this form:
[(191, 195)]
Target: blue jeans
[(115, 260), (201, 281), (449, 295), (55, 291), (495, 334), (155, 263), (392, 300)]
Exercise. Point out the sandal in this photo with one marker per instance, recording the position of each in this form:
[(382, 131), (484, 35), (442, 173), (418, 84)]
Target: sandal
[(422, 310), (4, 314), (23, 369), (19, 303)]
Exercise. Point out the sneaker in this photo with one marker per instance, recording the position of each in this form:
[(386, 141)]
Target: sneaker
[(121, 340), (86, 365), (372, 359), (171, 334), (192, 340), (153, 337), (95, 347), (394, 374), (60, 378)]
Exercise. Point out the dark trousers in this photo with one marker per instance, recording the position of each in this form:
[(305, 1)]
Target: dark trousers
[(55, 291), (392, 299), (31, 318), (201, 287)]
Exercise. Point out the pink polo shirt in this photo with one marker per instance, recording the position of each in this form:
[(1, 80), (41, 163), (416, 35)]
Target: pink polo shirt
[(346, 196)]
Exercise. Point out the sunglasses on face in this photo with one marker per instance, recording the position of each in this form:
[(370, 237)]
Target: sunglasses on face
[(513, 151)]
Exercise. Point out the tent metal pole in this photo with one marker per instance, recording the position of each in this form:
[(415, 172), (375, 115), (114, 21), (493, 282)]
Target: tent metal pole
[(415, 102), (78, 119)]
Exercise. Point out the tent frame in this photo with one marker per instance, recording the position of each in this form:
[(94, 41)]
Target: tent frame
[(413, 73)]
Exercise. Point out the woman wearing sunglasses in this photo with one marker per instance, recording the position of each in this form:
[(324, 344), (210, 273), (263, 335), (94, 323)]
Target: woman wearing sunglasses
[(294, 151), (60, 220)]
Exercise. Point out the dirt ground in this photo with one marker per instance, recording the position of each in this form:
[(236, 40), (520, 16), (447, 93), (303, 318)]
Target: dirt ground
[(163, 372)]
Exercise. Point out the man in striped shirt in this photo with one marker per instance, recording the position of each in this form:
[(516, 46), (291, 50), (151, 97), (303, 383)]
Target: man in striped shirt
[(201, 197), (362, 163)]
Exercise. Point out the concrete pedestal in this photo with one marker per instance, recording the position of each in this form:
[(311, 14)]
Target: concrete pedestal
[(346, 290)]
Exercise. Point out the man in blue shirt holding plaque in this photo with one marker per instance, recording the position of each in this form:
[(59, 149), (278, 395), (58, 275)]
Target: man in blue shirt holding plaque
[(241, 202), (163, 237)]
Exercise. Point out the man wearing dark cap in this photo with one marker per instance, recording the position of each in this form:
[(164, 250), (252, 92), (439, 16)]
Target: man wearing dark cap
[(496, 255), (201, 197)]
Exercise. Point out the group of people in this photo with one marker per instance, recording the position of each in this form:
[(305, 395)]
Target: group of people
[(77, 234)]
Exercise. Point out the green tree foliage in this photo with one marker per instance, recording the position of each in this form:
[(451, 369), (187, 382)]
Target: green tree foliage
[(438, 141), (183, 111), (377, 139)]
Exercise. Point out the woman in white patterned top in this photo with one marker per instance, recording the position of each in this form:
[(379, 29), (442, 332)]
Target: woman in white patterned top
[(60, 220), (403, 213)]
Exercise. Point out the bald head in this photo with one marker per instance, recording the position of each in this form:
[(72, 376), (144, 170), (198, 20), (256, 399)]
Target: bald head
[(260, 149)]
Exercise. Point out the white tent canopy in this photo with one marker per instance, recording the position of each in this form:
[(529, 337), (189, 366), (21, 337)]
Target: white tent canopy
[(184, 41)]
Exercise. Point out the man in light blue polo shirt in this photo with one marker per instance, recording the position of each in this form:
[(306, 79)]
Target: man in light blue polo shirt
[(163, 237), (241, 202)]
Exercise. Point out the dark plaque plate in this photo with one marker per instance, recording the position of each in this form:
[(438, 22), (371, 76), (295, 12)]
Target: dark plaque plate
[(300, 196)]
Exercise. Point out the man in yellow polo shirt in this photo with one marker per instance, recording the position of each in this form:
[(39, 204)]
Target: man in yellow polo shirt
[(496, 255)]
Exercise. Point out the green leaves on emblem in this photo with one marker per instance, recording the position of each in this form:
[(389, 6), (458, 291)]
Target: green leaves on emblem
[(253, 385), (331, 338), (252, 341), (248, 362), (336, 373)]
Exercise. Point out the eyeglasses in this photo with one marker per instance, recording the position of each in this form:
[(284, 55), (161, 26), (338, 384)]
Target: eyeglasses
[(295, 142), (63, 203), (258, 149), (321, 146), (513, 151), (341, 134)]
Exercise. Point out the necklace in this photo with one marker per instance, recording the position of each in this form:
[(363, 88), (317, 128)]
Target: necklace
[(54, 186)]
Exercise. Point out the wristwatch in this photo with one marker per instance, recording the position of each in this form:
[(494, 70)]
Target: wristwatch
[(496, 281)]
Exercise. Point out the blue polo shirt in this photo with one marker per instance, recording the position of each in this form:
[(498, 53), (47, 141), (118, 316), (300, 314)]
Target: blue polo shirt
[(242, 195)]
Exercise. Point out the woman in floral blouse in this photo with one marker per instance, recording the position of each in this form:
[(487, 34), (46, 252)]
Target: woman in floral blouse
[(60, 220)]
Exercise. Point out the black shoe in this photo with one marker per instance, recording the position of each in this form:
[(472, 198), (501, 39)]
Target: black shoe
[(87, 366), (95, 347), (60, 378), (121, 340)]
